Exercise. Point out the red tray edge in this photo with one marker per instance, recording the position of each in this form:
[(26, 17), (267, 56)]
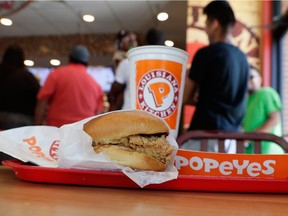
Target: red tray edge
[(120, 180)]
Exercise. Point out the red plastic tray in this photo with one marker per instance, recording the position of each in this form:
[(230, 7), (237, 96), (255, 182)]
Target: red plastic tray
[(119, 180)]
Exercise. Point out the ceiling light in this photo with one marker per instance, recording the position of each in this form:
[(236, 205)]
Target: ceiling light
[(55, 62), (29, 63), (88, 18), (6, 22), (169, 43), (162, 16)]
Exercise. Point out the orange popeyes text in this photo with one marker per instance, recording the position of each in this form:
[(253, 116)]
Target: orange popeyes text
[(237, 165), (35, 149), (226, 168)]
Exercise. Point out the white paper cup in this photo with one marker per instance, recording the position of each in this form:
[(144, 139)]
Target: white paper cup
[(157, 77)]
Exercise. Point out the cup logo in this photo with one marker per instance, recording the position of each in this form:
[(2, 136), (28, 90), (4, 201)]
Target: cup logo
[(158, 93), (158, 88)]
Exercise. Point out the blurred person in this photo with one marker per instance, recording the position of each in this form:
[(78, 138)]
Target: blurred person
[(120, 51), (218, 76), (118, 96), (18, 89), (124, 41), (121, 84), (155, 36), (263, 113), (18, 92), (118, 56), (69, 94)]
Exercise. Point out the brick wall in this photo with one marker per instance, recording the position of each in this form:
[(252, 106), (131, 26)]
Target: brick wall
[(41, 49)]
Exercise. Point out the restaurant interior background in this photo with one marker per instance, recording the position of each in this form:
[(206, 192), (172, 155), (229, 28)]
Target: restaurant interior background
[(48, 29)]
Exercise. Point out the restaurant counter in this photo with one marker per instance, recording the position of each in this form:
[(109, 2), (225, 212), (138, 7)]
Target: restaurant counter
[(24, 198)]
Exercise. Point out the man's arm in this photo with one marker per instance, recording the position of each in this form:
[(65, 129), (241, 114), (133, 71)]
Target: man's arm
[(115, 96), (100, 101), (189, 98), (190, 92), (40, 111), (272, 120)]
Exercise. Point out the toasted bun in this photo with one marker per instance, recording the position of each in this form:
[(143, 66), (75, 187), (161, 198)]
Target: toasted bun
[(116, 125), (133, 159)]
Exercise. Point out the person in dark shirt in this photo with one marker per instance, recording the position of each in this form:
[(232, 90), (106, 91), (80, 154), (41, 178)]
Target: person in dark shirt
[(18, 90), (218, 75), (155, 36)]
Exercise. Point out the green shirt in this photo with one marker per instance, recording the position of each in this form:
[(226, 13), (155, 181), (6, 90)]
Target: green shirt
[(259, 106)]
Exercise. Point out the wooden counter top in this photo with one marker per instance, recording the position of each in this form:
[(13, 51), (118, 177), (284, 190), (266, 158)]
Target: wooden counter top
[(25, 199)]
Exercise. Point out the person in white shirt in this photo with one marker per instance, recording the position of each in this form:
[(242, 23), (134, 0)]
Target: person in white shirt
[(122, 83), (120, 88)]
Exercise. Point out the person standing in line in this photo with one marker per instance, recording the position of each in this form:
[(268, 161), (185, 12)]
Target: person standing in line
[(218, 75), (18, 90), (69, 94), (118, 96), (122, 84), (263, 113), (155, 36), (122, 44)]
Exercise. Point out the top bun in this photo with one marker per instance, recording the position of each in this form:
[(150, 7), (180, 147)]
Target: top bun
[(116, 125)]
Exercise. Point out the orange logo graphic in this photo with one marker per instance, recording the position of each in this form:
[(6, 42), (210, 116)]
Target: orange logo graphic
[(158, 88), (54, 149), (159, 92)]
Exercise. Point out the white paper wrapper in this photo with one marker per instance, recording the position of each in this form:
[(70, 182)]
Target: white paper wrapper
[(39, 145), (35, 144), (76, 151)]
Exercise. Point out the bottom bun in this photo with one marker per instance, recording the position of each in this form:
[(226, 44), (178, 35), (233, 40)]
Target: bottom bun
[(136, 160)]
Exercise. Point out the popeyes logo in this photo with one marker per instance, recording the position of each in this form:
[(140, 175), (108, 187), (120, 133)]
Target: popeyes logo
[(158, 93), (232, 165), (54, 149), (158, 88)]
